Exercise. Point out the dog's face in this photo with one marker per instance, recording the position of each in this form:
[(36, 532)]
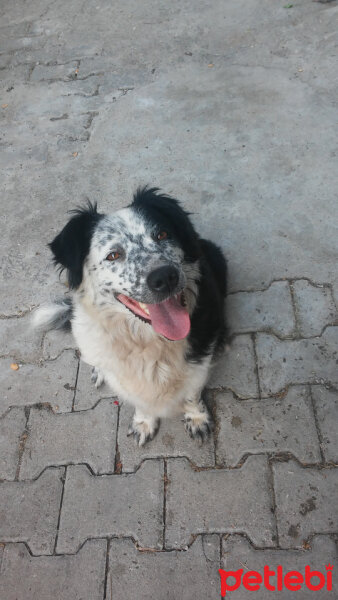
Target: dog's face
[(132, 256), (143, 257)]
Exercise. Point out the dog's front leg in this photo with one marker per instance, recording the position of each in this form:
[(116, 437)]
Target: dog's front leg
[(197, 420), (143, 427), (97, 377)]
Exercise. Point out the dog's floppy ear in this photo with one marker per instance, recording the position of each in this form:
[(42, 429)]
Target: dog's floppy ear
[(71, 246)]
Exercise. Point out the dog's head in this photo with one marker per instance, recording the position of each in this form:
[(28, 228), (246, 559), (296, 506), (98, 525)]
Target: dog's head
[(144, 257)]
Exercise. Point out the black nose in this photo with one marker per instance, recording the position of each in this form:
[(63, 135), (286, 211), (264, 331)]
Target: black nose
[(163, 279)]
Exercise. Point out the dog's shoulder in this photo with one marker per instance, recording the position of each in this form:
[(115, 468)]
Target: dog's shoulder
[(208, 327)]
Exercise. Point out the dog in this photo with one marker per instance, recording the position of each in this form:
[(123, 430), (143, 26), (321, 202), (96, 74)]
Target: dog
[(146, 307)]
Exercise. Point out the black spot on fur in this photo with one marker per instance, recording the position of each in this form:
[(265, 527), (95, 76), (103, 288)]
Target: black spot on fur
[(71, 246)]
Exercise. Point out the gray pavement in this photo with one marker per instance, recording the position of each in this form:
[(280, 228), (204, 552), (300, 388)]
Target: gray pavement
[(229, 105)]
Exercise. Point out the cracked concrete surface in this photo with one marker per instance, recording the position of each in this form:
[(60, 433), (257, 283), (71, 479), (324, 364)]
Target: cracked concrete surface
[(231, 107)]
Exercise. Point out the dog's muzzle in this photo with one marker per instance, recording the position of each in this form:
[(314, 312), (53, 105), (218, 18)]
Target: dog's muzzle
[(163, 280)]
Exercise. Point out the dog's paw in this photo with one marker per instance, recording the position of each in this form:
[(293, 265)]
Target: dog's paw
[(97, 377), (143, 430), (198, 425)]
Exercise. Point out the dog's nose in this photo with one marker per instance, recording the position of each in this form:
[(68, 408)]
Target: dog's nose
[(163, 279)]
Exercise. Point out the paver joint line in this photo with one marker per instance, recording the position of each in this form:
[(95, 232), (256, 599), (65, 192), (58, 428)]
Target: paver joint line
[(22, 443)]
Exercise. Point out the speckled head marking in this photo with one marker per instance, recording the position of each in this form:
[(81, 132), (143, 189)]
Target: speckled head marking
[(145, 253)]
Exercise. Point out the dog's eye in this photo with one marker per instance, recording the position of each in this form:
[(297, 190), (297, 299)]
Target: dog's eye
[(113, 256), (162, 236)]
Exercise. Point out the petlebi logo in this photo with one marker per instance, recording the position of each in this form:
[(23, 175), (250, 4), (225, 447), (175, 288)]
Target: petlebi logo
[(276, 580)]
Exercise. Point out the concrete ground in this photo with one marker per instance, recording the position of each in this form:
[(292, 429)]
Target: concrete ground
[(229, 105)]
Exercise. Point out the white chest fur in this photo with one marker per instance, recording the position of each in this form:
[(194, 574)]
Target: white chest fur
[(143, 368)]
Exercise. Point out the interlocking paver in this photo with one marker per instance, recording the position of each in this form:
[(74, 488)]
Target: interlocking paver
[(270, 309), (119, 505), (87, 395), (238, 553), (29, 511), (296, 361), (304, 502), (179, 574), (326, 402), (19, 340), (219, 501), (83, 437), (52, 382), (314, 306), (12, 425), (171, 440), (236, 369), (269, 425), (77, 577)]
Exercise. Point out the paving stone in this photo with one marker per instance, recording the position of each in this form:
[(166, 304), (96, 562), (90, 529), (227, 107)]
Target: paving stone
[(12, 425), (326, 402), (236, 368), (60, 97), (4, 61), (189, 574), (14, 73), (23, 43), (55, 342), (304, 502), (37, 153), (69, 128), (262, 311), (171, 440), (29, 511), (87, 395), (238, 553), (115, 75), (271, 425), (296, 361), (119, 505), (13, 31), (314, 306), (19, 340), (49, 72), (77, 577), (215, 501), (52, 382), (83, 437)]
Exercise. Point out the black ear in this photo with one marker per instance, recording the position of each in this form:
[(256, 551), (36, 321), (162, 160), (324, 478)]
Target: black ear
[(166, 211), (71, 246)]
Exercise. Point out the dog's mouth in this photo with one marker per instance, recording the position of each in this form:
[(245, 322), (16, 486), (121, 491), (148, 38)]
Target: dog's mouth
[(169, 318)]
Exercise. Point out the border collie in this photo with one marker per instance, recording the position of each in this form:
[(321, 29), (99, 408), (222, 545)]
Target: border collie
[(146, 308)]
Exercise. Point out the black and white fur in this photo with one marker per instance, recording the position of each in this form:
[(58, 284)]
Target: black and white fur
[(158, 376)]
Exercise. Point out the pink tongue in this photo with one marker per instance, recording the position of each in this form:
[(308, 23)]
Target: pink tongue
[(170, 319)]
